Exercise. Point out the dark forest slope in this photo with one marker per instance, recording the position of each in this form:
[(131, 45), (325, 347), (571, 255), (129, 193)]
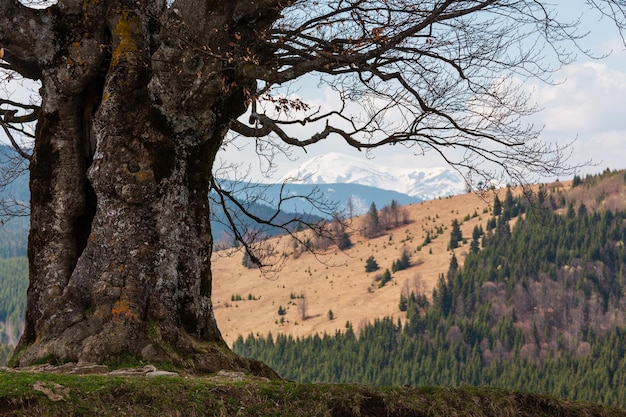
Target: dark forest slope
[(539, 306)]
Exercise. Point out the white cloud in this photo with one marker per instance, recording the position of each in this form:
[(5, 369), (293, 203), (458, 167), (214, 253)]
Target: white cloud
[(606, 149), (588, 106), (590, 99)]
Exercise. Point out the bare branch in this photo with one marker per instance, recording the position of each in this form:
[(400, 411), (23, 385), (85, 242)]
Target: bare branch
[(248, 228), (436, 76), (15, 145), (11, 121)]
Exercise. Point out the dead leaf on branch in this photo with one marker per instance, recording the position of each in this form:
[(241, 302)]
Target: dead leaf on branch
[(284, 104)]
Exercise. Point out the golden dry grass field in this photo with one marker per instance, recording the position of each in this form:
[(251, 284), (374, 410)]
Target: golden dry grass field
[(337, 281)]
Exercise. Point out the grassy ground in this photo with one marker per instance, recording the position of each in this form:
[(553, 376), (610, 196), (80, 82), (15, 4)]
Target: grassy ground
[(42, 394)]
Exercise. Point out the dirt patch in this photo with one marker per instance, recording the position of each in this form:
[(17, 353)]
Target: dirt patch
[(54, 391)]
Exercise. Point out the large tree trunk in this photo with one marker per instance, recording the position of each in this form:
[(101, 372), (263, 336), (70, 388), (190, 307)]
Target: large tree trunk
[(120, 243)]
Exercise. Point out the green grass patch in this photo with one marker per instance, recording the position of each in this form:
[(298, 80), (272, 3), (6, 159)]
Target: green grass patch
[(70, 395), (51, 359)]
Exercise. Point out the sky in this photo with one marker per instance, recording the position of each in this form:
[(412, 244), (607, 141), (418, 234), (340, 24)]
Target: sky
[(585, 105)]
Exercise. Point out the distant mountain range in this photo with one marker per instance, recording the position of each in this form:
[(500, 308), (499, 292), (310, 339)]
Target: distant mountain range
[(348, 185), (420, 183), (308, 202), (318, 188)]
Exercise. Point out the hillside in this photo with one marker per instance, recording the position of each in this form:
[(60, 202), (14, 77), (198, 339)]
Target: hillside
[(537, 304), (337, 280), (533, 303)]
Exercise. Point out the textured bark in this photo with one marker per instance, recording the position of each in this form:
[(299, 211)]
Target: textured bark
[(137, 98), (120, 244)]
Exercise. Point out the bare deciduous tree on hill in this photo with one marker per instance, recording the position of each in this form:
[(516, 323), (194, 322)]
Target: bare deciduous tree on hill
[(137, 98), (302, 308), (371, 223)]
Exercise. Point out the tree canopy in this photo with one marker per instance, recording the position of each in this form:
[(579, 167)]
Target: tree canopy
[(433, 76), (137, 98)]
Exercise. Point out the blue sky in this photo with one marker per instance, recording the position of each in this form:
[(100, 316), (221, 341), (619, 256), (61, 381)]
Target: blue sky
[(586, 105)]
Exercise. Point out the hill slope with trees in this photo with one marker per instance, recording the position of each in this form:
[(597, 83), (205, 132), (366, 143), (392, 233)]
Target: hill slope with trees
[(538, 305), (532, 299)]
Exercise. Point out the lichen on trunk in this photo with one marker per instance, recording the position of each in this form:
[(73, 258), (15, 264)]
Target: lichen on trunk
[(121, 243)]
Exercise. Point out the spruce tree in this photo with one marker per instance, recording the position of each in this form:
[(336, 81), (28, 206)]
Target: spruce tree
[(371, 265)]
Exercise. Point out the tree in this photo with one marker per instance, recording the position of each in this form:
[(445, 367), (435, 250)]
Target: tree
[(384, 219), (370, 264), (576, 181), (137, 98), (442, 295), (403, 262), (476, 234), (455, 234), (386, 277), (395, 213), (497, 206), (334, 233), (350, 207), (404, 303), (247, 261), (508, 206), (302, 308), (371, 223)]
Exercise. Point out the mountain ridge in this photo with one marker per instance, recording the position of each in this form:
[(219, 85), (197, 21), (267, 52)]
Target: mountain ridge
[(422, 183)]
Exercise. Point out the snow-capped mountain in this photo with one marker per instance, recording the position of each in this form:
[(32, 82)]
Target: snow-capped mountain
[(335, 168)]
